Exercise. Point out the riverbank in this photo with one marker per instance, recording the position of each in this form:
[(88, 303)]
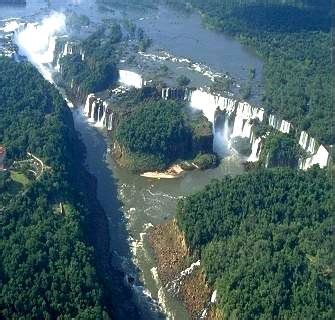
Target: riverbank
[(173, 172), (178, 271)]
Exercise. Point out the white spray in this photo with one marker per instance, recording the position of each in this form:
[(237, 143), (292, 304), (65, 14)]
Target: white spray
[(37, 42)]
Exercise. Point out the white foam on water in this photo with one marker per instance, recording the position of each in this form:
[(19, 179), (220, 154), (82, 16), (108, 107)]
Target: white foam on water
[(10, 26)]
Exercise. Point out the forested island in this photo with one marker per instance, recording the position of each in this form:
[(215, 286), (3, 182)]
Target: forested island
[(91, 66), (152, 134), (54, 242)]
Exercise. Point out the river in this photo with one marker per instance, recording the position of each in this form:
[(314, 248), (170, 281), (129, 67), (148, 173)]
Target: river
[(133, 203)]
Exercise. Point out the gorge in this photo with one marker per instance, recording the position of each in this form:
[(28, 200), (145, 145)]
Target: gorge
[(134, 204)]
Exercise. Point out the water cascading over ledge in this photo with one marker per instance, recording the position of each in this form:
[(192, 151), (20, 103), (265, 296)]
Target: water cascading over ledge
[(239, 125), (238, 120), (44, 53)]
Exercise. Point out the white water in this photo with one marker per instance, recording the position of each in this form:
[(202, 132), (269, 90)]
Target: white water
[(174, 285), (303, 139), (131, 79), (255, 150), (320, 158), (10, 26), (37, 42)]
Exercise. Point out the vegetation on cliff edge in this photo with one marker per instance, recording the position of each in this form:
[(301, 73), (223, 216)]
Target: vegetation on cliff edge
[(265, 240)]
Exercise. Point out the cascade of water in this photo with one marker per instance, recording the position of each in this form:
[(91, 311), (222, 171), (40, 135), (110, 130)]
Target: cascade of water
[(303, 140), (88, 105), (98, 117), (255, 150), (273, 122), (110, 122), (102, 119), (93, 111), (131, 79), (226, 130), (285, 127), (37, 42), (311, 146), (321, 158)]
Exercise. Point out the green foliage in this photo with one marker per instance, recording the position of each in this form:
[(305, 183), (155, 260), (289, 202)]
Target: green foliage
[(46, 265), (206, 161), (4, 179), (155, 128), (183, 81), (294, 39), (280, 150), (98, 69), (242, 145), (265, 240), (245, 91), (77, 21), (221, 84)]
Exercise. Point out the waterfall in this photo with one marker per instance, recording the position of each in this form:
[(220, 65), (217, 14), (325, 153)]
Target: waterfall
[(93, 111), (273, 122), (208, 103), (311, 146), (244, 114), (37, 42), (321, 158), (88, 105), (131, 79), (303, 139), (101, 121), (110, 122), (98, 118), (226, 130), (285, 127), (255, 150)]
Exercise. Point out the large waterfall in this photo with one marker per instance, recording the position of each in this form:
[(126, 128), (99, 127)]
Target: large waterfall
[(243, 116), (239, 120), (37, 41)]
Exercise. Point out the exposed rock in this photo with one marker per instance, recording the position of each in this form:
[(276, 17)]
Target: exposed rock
[(174, 271)]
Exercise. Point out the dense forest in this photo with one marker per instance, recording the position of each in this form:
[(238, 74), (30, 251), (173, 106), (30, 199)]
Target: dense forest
[(48, 268), (156, 129), (265, 241), (294, 39), (280, 150), (95, 70), (158, 133)]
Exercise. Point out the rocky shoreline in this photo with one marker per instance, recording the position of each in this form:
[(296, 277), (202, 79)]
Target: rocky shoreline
[(178, 271)]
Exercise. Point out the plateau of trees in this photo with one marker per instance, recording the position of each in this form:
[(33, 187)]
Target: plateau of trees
[(265, 241), (156, 129), (47, 265), (280, 150), (155, 133), (294, 39), (97, 71)]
